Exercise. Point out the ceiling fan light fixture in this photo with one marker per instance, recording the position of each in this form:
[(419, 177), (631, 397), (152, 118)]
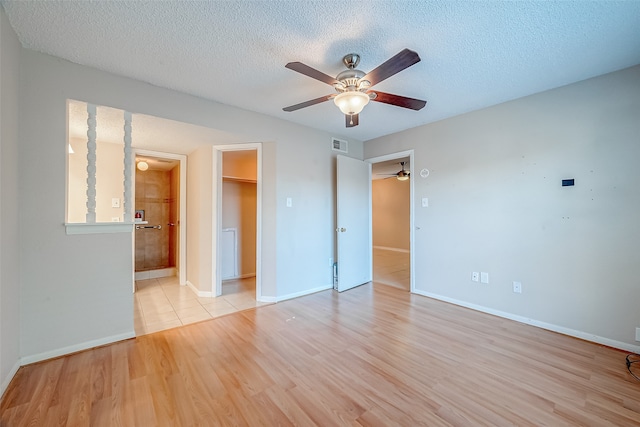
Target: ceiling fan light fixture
[(352, 102), (403, 177)]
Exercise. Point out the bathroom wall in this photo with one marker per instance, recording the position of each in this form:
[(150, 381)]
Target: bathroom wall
[(199, 213)]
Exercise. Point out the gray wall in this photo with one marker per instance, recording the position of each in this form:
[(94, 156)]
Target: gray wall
[(76, 290), (390, 214), (496, 205), (9, 278)]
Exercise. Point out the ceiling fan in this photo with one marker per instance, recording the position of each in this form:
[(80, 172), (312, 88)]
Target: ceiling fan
[(403, 175), (353, 86)]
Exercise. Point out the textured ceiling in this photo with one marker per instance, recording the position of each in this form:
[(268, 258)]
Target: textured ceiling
[(474, 54)]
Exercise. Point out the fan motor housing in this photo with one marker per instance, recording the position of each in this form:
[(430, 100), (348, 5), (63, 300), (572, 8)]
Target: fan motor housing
[(350, 78)]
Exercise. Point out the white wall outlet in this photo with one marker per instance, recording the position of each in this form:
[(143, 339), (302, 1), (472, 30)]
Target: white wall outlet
[(517, 287), (637, 334), (289, 202), (425, 202), (475, 276), (115, 202), (484, 277)]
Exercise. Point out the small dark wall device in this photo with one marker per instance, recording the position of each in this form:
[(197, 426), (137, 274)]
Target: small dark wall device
[(568, 182)]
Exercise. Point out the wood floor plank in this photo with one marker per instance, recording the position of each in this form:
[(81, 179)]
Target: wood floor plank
[(372, 356)]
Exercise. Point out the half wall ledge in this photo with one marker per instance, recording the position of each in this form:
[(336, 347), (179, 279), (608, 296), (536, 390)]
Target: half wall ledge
[(98, 227)]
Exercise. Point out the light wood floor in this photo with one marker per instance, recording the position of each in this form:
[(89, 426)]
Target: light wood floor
[(375, 355), (392, 268)]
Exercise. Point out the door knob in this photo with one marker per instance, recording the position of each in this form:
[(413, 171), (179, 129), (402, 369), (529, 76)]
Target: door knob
[(341, 230)]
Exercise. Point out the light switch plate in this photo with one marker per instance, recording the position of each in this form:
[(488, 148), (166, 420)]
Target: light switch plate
[(289, 202), (484, 277), (115, 202), (425, 202), (475, 276)]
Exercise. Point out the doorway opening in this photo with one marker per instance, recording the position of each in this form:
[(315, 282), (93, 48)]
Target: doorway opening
[(238, 236), (392, 220), (159, 194)]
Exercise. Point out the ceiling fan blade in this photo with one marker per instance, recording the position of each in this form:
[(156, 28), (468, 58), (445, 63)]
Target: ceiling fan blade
[(311, 72), (352, 120), (308, 103), (394, 65), (397, 100)]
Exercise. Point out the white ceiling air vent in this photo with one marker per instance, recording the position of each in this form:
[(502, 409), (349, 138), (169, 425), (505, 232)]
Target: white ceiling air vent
[(339, 145)]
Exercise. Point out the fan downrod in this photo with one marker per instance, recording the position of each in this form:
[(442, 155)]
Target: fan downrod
[(351, 60)]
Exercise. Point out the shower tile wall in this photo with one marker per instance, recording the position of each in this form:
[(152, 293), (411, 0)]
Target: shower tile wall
[(153, 195)]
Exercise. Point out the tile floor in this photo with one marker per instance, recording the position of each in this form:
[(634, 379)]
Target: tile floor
[(392, 268), (162, 303)]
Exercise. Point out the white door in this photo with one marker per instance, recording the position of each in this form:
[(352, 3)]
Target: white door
[(353, 222)]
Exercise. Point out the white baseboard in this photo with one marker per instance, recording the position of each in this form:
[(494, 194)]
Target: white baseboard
[(203, 294), (302, 293), (6, 381), (387, 248), (241, 276), (26, 360), (543, 325), (155, 274)]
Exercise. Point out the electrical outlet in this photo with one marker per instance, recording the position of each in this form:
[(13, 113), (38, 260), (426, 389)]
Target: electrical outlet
[(475, 276), (484, 277), (637, 334), (517, 287), (115, 202)]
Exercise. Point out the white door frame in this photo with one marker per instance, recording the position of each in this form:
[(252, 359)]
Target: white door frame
[(182, 252), (217, 213), (392, 156)]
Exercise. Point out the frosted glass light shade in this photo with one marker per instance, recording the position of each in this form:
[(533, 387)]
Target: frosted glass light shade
[(351, 102), (143, 166)]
